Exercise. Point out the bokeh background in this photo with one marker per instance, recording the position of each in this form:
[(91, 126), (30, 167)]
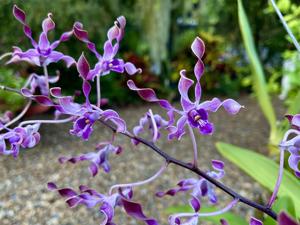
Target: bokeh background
[(158, 38)]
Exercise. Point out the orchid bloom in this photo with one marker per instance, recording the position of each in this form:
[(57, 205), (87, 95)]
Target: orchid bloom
[(292, 145), (199, 187), (152, 122), (98, 159), (107, 62), (25, 137), (91, 198), (43, 52), (85, 114), (194, 114)]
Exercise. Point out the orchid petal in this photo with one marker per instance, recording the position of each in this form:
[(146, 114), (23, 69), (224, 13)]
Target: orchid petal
[(198, 47), (21, 17), (82, 35), (149, 95), (83, 67), (48, 24), (135, 210)]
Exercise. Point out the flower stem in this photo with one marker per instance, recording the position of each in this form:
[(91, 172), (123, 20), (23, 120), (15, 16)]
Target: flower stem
[(46, 76), (5, 88), (47, 121), (19, 116), (197, 171), (288, 30), (279, 179), (98, 92), (192, 135), (157, 174), (219, 212), (154, 126), (5, 55)]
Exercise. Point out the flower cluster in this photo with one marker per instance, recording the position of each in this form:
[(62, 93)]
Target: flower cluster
[(13, 139), (98, 159), (90, 198), (194, 114)]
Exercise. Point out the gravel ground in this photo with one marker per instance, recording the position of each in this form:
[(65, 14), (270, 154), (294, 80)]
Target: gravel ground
[(25, 200)]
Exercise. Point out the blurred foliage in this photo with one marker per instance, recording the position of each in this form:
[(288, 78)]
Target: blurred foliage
[(9, 100), (158, 36)]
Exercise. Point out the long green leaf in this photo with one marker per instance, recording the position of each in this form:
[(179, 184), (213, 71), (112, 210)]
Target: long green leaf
[(263, 170), (229, 216), (259, 82)]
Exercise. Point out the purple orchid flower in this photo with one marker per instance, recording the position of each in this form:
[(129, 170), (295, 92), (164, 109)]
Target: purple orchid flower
[(199, 187), (153, 122), (86, 114), (90, 198), (25, 137), (43, 52), (294, 121), (98, 159), (107, 62), (194, 114), (5, 118), (39, 82), (292, 145)]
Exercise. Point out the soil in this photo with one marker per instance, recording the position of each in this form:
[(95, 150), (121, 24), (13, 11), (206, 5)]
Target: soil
[(25, 200)]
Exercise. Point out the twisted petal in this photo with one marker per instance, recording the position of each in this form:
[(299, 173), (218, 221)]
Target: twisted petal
[(149, 95), (48, 24), (195, 203), (82, 35), (135, 210), (83, 67), (64, 37), (115, 118), (231, 106), (57, 56), (294, 161), (254, 221), (183, 88), (44, 43), (21, 17), (198, 47), (31, 56), (178, 131), (285, 219), (199, 69), (131, 69)]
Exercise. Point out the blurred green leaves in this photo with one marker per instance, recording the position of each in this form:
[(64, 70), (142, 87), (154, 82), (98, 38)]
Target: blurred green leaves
[(9, 100), (263, 170)]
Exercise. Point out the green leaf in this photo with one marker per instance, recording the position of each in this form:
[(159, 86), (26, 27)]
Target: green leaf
[(284, 203), (229, 216), (259, 82), (263, 170)]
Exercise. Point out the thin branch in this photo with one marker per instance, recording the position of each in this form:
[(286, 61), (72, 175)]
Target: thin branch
[(18, 117), (4, 88), (98, 92), (5, 55), (196, 170)]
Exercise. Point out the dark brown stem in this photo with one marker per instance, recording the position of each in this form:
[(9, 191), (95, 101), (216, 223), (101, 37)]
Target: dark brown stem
[(199, 172)]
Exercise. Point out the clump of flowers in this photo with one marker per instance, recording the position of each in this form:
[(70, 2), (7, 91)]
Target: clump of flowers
[(193, 115)]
